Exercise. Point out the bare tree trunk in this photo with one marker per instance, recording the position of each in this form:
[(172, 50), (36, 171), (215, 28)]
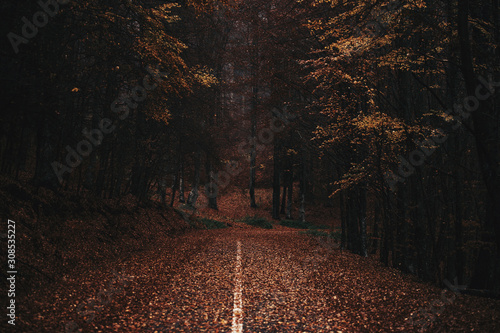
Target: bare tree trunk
[(211, 187), (303, 182), (119, 181), (193, 195), (290, 193), (254, 53), (343, 217), (175, 180), (276, 181), (362, 220), (302, 208), (386, 229), (181, 183), (283, 196), (375, 234), (44, 173), (103, 168), (352, 223), (162, 191), (253, 153)]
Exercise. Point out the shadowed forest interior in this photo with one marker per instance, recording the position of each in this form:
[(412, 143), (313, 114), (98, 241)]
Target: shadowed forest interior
[(370, 125)]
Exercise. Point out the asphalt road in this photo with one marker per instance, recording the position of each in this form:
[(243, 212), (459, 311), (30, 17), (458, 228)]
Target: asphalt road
[(245, 279), (233, 280)]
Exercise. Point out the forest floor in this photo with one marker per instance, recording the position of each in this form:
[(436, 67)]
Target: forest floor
[(120, 267)]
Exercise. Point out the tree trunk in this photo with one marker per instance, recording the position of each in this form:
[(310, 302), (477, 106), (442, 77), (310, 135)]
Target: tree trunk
[(44, 173), (290, 193), (253, 153), (303, 181), (362, 220), (486, 132), (211, 189), (162, 192), (375, 234), (283, 197), (276, 181), (343, 234), (175, 180), (193, 195), (181, 183)]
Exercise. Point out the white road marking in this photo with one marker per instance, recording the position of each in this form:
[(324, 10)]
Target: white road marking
[(238, 301)]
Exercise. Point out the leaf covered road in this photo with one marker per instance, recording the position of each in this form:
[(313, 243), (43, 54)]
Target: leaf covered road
[(199, 297), (289, 282)]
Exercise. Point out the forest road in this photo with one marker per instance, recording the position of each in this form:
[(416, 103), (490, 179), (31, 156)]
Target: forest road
[(230, 280)]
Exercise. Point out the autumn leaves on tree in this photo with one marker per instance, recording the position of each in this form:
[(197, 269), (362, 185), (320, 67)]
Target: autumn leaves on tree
[(385, 111)]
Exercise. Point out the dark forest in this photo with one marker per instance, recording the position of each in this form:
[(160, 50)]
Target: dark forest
[(250, 166)]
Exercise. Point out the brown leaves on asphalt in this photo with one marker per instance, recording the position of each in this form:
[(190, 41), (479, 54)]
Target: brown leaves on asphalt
[(290, 284)]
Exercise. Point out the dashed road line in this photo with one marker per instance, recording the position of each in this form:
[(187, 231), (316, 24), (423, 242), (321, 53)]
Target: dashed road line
[(238, 300)]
